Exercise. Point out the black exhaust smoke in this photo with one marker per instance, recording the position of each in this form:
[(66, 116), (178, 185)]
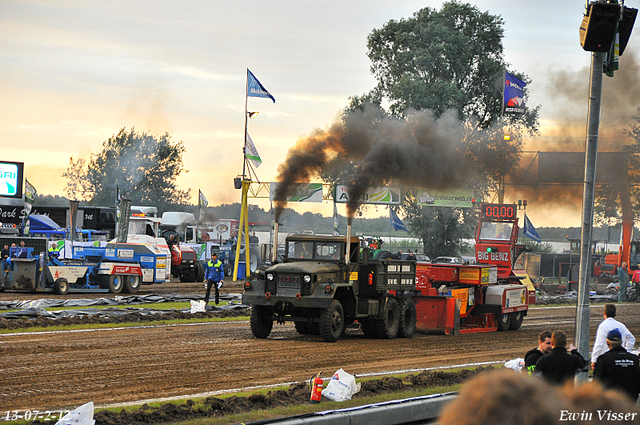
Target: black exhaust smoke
[(420, 151)]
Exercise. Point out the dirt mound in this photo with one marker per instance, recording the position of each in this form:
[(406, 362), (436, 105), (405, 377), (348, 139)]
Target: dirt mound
[(296, 394), (132, 317)]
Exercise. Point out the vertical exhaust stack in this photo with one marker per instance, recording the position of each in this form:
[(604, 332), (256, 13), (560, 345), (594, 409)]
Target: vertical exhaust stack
[(274, 250), (346, 255)]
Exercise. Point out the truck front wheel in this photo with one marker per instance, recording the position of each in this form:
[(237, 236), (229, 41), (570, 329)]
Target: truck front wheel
[(261, 321), (387, 327), (407, 325), (332, 322)]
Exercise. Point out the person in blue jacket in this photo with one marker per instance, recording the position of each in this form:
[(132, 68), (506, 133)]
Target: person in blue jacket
[(213, 275)]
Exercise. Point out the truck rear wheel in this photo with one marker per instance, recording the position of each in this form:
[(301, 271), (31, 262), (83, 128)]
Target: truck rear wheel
[(504, 321), (516, 320), (261, 321), (407, 326), (116, 282), (131, 284), (387, 327), (61, 286), (332, 322)]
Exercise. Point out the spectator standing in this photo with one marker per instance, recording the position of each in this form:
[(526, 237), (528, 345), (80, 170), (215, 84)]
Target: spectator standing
[(214, 275), (617, 368), (4, 267), (532, 356), (607, 325), (623, 280), (559, 365)]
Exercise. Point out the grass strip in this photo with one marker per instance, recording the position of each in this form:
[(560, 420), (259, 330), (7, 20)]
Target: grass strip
[(124, 324)]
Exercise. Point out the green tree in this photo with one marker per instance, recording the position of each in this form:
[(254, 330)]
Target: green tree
[(144, 167), (441, 60), (609, 205)]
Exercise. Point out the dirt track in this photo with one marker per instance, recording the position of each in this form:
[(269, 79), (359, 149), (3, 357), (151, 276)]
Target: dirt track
[(49, 371)]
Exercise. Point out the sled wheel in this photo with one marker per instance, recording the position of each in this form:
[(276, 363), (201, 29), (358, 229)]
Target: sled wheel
[(261, 321), (387, 327), (61, 286), (407, 325), (131, 284), (116, 282), (332, 322), (504, 322), (516, 320)]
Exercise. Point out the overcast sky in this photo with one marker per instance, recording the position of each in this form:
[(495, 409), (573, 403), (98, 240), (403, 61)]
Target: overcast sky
[(72, 73)]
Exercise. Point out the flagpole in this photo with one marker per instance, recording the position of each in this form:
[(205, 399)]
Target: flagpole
[(244, 142)]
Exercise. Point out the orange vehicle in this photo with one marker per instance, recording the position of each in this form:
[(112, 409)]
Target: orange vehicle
[(493, 294)]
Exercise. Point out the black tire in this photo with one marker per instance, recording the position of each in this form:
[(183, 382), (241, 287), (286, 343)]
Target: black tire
[(332, 322), (261, 321), (383, 255), (504, 321), (115, 283), (199, 272), (131, 284), (228, 270), (516, 320), (368, 327), (61, 286), (387, 327), (407, 325)]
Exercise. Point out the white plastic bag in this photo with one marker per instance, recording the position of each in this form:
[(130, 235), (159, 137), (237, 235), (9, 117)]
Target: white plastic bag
[(341, 387), (515, 364), (197, 306), (83, 415)]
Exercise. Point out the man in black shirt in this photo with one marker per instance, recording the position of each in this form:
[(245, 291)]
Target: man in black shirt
[(4, 254), (617, 368), (532, 356), (559, 366)]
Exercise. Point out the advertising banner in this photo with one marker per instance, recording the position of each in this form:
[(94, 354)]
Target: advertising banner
[(11, 179), (373, 195), (304, 192), (453, 198)]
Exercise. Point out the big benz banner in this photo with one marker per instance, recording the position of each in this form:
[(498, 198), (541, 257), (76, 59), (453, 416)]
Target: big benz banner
[(304, 192), (373, 195)]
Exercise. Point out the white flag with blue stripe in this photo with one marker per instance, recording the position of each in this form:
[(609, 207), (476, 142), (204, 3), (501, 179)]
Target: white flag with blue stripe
[(530, 231)]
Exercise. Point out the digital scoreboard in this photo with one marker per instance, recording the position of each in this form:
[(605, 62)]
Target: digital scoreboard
[(11, 177), (499, 212)]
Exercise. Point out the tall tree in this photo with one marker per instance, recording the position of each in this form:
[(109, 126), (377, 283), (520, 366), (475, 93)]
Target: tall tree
[(441, 60), (144, 167), (610, 198)]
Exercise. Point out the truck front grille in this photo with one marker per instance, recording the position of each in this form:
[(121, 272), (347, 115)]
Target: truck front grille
[(288, 285)]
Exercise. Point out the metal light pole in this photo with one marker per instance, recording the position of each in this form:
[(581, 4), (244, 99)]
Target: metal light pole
[(591, 153)]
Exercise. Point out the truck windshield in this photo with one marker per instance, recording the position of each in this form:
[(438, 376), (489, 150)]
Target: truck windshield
[(499, 231), (309, 250)]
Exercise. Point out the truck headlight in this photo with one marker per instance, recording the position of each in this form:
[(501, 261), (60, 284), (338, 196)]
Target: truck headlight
[(269, 276), (306, 278)]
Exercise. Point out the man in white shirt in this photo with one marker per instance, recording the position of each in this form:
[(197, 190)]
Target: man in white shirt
[(608, 324)]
